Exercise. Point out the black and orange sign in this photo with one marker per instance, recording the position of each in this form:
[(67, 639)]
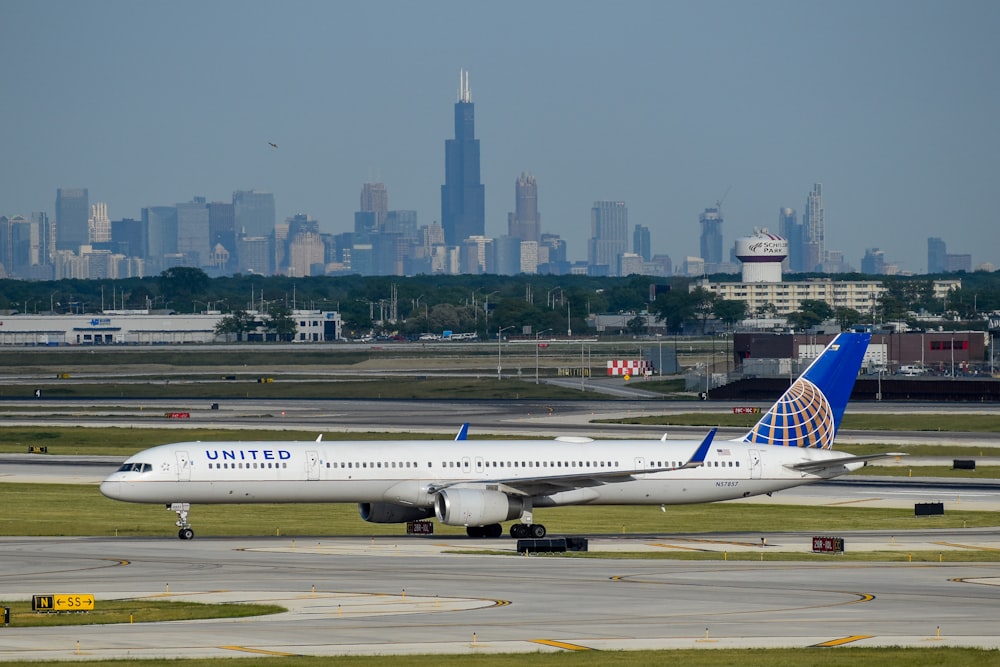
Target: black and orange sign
[(66, 602)]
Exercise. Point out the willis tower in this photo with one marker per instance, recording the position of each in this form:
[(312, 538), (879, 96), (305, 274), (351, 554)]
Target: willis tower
[(463, 197)]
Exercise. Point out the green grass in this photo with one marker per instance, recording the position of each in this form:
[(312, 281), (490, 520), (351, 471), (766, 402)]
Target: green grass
[(757, 555), (137, 611), (42, 512), (65, 359), (981, 472), (815, 657), (979, 423)]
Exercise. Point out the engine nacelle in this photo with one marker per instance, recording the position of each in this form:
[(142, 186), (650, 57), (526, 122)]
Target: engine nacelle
[(476, 507), (389, 513)]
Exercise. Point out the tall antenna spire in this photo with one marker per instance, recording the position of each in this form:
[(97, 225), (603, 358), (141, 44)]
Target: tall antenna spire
[(464, 93)]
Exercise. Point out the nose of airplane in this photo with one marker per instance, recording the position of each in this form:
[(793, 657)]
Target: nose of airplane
[(111, 489)]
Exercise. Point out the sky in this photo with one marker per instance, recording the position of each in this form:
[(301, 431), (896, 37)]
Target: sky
[(893, 105)]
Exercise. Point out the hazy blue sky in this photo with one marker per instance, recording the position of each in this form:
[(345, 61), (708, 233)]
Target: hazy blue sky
[(893, 105)]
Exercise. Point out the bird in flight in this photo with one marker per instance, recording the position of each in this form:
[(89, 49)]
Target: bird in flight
[(272, 144)]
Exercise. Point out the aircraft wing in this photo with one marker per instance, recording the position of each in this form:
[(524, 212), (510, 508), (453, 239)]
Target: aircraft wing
[(817, 466), (544, 485)]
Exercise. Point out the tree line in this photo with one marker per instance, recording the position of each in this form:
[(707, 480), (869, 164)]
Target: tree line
[(469, 303)]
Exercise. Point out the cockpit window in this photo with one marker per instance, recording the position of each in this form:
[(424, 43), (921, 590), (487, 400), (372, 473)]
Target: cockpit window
[(136, 467)]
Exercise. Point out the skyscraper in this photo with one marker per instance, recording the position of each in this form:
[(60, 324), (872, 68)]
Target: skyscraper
[(711, 235), (813, 230), (790, 229), (128, 237), (99, 224), (222, 230), (525, 222), (160, 225), (193, 232), (641, 242), (609, 237), (72, 216), (254, 218), (937, 255), (463, 197), (375, 199), (253, 213), (873, 263)]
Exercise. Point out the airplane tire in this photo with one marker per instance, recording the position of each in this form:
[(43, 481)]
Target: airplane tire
[(185, 534), (536, 530), (474, 531), (518, 531), (493, 530)]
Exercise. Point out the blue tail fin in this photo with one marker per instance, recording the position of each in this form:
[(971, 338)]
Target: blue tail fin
[(808, 414)]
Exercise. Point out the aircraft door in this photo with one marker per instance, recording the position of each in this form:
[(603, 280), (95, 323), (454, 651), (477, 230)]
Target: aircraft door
[(640, 463), (466, 464), (183, 467), (479, 464), (755, 464), (312, 466)]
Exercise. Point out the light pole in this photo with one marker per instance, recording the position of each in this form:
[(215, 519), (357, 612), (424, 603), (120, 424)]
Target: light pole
[(550, 300), (486, 308), (499, 341), (536, 351)]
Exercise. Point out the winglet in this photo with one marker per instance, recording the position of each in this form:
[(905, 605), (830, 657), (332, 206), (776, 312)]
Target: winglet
[(698, 458), (319, 438), (463, 433)]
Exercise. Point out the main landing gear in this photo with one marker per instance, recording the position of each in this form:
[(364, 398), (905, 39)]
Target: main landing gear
[(182, 509), (492, 530), (522, 530), (527, 527), (517, 531)]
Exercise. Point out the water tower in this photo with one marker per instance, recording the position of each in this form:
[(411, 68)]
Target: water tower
[(761, 254)]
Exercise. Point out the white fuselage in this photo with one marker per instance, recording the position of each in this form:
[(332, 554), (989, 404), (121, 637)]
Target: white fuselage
[(408, 473)]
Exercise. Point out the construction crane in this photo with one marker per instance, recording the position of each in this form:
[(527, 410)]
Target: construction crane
[(718, 202)]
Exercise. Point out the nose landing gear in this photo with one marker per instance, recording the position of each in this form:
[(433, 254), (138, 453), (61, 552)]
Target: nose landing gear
[(182, 509)]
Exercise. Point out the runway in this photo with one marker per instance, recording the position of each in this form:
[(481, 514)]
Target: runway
[(392, 596), (486, 417)]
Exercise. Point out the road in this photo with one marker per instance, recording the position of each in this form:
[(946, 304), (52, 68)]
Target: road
[(501, 417), (390, 596)]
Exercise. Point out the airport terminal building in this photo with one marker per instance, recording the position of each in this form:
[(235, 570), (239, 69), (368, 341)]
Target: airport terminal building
[(140, 327)]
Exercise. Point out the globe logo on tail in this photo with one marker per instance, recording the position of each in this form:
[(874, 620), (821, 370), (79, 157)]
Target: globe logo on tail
[(802, 417)]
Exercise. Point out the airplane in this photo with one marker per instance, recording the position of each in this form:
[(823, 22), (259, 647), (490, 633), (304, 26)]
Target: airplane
[(480, 484)]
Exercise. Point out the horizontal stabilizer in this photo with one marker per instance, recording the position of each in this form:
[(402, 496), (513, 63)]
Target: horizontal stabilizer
[(816, 466)]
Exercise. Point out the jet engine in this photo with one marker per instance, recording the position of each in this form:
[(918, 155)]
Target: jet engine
[(389, 513), (476, 507)]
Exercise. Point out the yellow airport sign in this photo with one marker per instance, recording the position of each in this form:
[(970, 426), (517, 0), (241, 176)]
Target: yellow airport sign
[(65, 602)]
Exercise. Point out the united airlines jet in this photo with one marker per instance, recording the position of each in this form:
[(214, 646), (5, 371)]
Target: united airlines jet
[(481, 483)]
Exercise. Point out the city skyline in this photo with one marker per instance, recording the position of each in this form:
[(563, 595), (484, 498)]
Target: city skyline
[(885, 104)]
